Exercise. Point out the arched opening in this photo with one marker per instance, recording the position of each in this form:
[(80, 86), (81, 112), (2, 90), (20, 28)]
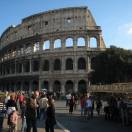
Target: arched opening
[(69, 42), (81, 64), (26, 86), (12, 71), (93, 42), (12, 87), (35, 85), (69, 87), (82, 87), (57, 88), (36, 47), (69, 64), (46, 45), (46, 65), (35, 65), (26, 67), (18, 86), (18, 67), (80, 42), (45, 85), (57, 65), (57, 43)]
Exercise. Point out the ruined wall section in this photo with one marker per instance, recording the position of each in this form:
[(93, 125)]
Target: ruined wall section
[(67, 19)]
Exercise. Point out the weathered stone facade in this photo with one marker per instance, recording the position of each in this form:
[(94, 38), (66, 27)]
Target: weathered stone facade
[(50, 50)]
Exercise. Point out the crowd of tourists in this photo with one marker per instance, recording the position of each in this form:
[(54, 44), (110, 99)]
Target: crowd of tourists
[(41, 106), (112, 108), (29, 108)]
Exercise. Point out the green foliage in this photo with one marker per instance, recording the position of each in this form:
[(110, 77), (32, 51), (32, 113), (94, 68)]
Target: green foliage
[(112, 66)]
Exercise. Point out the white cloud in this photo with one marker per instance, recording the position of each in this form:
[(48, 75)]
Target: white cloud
[(130, 31), (126, 28)]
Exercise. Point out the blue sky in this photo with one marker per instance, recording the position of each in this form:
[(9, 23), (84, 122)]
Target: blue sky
[(114, 16)]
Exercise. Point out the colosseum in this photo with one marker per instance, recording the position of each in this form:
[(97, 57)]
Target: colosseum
[(51, 50)]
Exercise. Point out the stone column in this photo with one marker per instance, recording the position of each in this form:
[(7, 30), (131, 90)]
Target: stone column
[(63, 87), (51, 65), (88, 63), (98, 41), (30, 86), (63, 43), (41, 46), (75, 86), (30, 63), (41, 66), (75, 64), (51, 44), (63, 64), (40, 84), (22, 67), (74, 43), (50, 86), (87, 42), (15, 67)]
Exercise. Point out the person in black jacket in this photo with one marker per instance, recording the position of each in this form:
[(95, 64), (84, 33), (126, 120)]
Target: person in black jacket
[(50, 116), (30, 113)]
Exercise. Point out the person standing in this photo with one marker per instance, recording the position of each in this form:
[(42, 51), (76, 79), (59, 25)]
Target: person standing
[(98, 106), (50, 117), (31, 115), (71, 104), (43, 105)]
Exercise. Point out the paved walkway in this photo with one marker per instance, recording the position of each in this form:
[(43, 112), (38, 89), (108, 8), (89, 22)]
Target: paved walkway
[(40, 124)]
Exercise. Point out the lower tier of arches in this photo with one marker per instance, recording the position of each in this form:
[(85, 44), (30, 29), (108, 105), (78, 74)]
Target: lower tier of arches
[(61, 86)]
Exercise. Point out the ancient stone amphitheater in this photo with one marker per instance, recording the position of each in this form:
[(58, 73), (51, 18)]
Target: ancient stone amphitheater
[(51, 50)]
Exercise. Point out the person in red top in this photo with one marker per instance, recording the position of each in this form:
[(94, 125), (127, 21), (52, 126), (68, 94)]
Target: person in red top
[(21, 99), (82, 104)]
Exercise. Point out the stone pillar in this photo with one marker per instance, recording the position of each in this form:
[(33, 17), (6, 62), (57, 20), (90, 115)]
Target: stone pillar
[(98, 41), (87, 42), (15, 67), (50, 86), (40, 84), (63, 65), (22, 67), (30, 63), (51, 44), (63, 87), (75, 64), (88, 63), (75, 86), (41, 66), (74, 43), (41, 46), (63, 43), (30, 86), (51, 65)]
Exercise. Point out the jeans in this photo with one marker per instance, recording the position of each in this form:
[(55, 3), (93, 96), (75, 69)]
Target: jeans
[(24, 125), (43, 113)]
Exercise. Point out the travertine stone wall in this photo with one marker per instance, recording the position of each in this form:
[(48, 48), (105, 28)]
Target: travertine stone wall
[(27, 48)]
